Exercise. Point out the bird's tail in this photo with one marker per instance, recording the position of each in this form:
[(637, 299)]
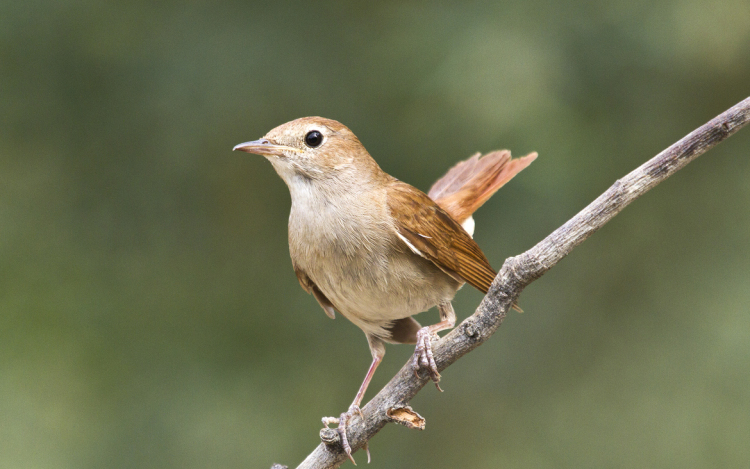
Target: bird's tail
[(468, 185)]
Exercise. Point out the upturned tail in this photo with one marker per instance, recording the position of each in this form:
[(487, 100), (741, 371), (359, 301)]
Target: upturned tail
[(470, 183)]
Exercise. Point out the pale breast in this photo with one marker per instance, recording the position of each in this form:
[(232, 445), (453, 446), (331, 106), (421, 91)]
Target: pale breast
[(353, 255)]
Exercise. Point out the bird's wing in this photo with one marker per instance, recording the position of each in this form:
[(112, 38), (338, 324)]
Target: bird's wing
[(430, 232), (310, 287)]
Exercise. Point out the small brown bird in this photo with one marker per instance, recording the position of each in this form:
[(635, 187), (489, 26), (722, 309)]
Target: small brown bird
[(374, 248)]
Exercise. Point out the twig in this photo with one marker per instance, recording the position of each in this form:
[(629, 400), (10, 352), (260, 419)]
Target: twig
[(516, 273)]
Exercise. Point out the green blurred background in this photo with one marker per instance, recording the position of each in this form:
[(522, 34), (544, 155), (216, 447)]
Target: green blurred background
[(149, 314)]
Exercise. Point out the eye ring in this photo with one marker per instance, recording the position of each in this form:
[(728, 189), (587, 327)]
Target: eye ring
[(313, 139)]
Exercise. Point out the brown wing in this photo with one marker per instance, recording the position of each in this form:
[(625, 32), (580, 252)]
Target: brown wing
[(310, 287), (430, 232)]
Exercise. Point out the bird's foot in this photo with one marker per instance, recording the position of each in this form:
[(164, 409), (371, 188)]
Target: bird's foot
[(342, 423), (423, 355)]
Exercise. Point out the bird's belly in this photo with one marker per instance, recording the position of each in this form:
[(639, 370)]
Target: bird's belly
[(371, 292), (368, 273)]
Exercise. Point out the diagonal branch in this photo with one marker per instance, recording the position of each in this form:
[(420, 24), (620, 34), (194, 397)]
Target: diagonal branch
[(390, 404)]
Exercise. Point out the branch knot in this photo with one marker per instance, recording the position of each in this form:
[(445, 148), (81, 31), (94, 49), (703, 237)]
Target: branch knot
[(470, 329), (329, 436)]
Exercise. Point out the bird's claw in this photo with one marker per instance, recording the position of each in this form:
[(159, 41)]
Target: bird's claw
[(423, 357), (342, 423)]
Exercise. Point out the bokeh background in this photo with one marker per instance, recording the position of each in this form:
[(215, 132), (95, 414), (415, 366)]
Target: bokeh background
[(149, 314)]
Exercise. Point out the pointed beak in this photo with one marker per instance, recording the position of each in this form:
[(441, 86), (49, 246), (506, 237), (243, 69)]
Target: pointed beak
[(264, 147)]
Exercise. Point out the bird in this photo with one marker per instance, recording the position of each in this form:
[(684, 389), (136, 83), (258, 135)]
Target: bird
[(376, 249)]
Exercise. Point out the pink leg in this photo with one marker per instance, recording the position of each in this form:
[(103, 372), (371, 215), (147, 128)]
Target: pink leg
[(423, 353), (377, 348), (361, 393)]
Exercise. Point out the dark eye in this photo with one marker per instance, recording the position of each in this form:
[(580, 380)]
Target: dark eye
[(313, 139)]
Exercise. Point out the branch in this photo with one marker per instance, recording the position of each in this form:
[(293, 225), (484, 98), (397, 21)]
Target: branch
[(391, 403)]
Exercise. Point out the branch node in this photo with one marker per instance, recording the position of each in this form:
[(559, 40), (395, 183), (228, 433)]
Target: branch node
[(329, 436), (406, 416), (470, 329), (518, 269)]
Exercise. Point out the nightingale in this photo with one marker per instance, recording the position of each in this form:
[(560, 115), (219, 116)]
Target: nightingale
[(376, 249)]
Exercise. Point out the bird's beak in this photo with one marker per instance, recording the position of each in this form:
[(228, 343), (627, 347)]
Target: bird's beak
[(264, 147)]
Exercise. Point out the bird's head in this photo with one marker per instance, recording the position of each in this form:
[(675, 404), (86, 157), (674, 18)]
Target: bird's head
[(313, 148)]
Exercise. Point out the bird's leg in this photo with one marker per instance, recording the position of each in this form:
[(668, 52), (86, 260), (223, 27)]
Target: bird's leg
[(423, 353), (377, 348)]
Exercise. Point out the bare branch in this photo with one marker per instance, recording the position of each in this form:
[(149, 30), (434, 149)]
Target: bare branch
[(518, 272)]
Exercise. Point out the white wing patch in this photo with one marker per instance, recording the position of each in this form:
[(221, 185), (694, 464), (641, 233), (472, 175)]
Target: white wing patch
[(411, 246), (468, 225)]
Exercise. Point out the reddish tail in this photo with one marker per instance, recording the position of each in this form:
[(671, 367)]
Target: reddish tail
[(468, 185)]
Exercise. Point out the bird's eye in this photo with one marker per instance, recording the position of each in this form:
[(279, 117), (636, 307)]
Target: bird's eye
[(313, 139)]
